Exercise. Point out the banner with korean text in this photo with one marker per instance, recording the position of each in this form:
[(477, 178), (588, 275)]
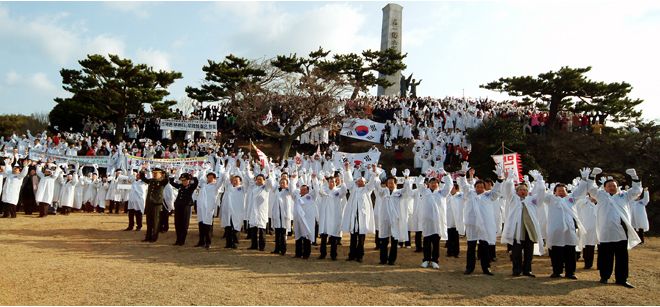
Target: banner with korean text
[(188, 125), (101, 161), (512, 163)]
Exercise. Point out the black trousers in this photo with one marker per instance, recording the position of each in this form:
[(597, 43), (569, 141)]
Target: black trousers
[(563, 257), (607, 254), (588, 255), (432, 248), (28, 206), (152, 211), (377, 240), (280, 240), (418, 241), (640, 233), (164, 224), (405, 243), (134, 217), (181, 223), (303, 247), (43, 209), (356, 249), (325, 239), (204, 234), (10, 210), (521, 265), (383, 250), (453, 248), (258, 232), (125, 203), (483, 255)]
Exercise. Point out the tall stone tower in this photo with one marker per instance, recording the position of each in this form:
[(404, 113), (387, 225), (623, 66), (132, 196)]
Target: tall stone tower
[(391, 38)]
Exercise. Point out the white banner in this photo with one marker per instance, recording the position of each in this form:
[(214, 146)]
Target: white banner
[(368, 158), (101, 161), (188, 125), (512, 163), (134, 161), (363, 129)]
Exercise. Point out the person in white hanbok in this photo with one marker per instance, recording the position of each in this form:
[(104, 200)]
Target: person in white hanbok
[(46, 189), (615, 231), (521, 227), (639, 218), (434, 211), (331, 211), (358, 215)]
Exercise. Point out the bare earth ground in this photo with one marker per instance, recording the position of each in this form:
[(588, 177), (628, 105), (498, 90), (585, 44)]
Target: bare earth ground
[(86, 259)]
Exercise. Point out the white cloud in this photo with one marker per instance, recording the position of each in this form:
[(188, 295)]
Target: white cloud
[(51, 37), (135, 7), (158, 59), (267, 28), (37, 81)]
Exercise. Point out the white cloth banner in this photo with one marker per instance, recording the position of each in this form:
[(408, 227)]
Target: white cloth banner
[(188, 125), (367, 158), (189, 163), (512, 163), (101, 161), (363, 129)]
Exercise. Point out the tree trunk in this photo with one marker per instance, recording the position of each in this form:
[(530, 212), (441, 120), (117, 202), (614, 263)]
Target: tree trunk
[(286, 146), (356, 91), (119, 129), (552, 115)]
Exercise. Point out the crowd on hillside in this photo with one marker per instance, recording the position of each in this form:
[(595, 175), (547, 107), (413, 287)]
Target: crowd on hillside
[(312, 197)]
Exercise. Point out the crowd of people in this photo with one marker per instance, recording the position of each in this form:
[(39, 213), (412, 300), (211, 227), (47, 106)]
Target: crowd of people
[(313, 197)]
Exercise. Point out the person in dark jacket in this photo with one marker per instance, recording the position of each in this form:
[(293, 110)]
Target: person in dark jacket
[(183, 205)]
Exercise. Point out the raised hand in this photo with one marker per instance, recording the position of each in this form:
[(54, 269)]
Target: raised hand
[(596, 171), (406, 172), (631, 172), (465, 166), (393, 171), (585, 172)]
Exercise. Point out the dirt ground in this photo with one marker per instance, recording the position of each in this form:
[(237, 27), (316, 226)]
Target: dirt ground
[(86, 259)]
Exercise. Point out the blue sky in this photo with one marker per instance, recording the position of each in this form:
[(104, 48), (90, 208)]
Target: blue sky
[(452, 46)]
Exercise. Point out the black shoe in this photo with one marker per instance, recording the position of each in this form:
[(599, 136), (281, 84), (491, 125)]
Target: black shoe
[(305, 257), (529, 274), (586, 267), (333, 258), (515, 274), (200, 245), (321, 257), (128, 229), (382, 262), (489, 272), (138, 229), (350, 259), (603, 281), (234, 246), (360, 260), (494, 259), (390, 263), (456, 256), (252, 247), (152, 241), (146, 240), (468, 272), (275, 252), (176, 243), (555, 275), (572, 277), (626, 284), (418, 250), (208, 247)]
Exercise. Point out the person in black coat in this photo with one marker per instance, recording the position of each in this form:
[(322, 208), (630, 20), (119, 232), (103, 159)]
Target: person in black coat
[(183, 205)]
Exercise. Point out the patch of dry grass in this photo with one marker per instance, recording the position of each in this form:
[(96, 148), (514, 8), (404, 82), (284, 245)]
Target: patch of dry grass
[(86, 259)]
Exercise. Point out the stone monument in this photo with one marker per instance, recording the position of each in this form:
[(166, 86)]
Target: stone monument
[(391, 38)]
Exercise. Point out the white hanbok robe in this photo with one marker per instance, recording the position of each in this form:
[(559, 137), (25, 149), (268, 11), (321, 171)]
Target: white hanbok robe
[(331, 209)]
